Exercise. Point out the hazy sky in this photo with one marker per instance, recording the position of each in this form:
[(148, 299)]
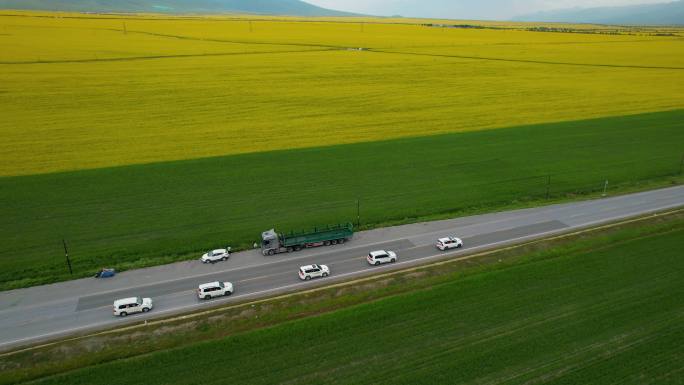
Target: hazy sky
[(465, 9)]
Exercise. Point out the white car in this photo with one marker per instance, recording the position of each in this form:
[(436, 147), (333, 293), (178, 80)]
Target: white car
[(214, 289), (381, 256), (313, 271), (449, 243), (126, 306), (216, 255)]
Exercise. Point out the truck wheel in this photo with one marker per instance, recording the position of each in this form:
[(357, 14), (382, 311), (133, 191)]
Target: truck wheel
[(290, 249), (271, 252), (297, 248), (334, 241), (341, 240), (326, 243)]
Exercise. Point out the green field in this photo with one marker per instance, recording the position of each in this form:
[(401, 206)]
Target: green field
[(149, 214), (611, 311)]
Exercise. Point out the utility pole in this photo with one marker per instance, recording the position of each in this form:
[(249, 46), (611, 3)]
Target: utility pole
[(548, 186), (605, 188), (66, 254)]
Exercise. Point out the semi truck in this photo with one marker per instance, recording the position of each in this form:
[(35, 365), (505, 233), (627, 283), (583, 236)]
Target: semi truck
[(273, 242)]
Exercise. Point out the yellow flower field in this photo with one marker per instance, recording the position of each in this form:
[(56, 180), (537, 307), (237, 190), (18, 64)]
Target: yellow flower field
[(87, 91)]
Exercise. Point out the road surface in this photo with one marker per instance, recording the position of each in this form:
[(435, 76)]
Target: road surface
[(45, 312)]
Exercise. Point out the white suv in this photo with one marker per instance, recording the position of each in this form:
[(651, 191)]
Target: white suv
[(124, 307), (381, 256), (449, 243), (216, 255), (313, 271), (214, 289)]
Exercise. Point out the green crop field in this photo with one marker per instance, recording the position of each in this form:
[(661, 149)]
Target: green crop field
[(609, 313), (147, 139), (148, 214)]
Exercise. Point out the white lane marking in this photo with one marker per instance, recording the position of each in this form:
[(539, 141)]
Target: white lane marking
[(328, 250), (383, 267)]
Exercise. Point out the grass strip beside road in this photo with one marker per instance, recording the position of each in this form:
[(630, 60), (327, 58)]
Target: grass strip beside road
[(577, 309), (144, 215)]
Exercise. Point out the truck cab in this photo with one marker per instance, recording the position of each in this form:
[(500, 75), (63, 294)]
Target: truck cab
[(270, 243)]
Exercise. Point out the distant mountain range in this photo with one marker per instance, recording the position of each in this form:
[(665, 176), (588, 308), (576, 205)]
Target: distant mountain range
[(269, 7), (647, 14)]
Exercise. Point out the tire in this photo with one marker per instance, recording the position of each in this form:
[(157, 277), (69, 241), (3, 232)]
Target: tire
[(206, 297), (341, 240), (224, 259), (326, 243), (334, 241), (228, 293), (290, 249), (325, 275), (146, 309), (377, 263), (392, 261), (123, 314), (307, 278), (459, 246), (271, 252), (297, 248)]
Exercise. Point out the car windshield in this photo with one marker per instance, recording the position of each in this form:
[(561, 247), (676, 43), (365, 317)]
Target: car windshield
[(221, 285), (138, 300)]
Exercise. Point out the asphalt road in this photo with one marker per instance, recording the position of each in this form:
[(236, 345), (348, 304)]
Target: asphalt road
[(46, 312)]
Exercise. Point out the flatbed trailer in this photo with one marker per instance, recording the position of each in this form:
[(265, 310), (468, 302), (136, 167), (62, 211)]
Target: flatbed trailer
[(273, 242)]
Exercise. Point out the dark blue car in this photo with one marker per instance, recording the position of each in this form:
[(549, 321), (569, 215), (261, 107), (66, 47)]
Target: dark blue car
[(105, 273)]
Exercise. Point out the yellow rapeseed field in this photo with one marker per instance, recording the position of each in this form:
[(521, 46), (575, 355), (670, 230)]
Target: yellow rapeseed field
[(91, 91)]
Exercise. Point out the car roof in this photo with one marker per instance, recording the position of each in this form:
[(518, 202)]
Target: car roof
[(219, 250), (378, 252), (210, 284), (448, 239), (125, 300), (308, 267)]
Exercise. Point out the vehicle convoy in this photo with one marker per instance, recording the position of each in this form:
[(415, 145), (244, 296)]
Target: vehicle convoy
[(449, 243), (274, 243), (381, 256), (214, 289), (216, 255), (313, 271), (126, 306)]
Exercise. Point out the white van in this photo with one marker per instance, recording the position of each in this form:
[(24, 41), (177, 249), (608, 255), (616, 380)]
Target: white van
[(381, 256), (214, 289), (126, 306)]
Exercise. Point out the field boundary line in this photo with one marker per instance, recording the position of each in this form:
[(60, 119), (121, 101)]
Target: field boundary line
[(214, 40), (523, 60), (154, 57), (193, 315)]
